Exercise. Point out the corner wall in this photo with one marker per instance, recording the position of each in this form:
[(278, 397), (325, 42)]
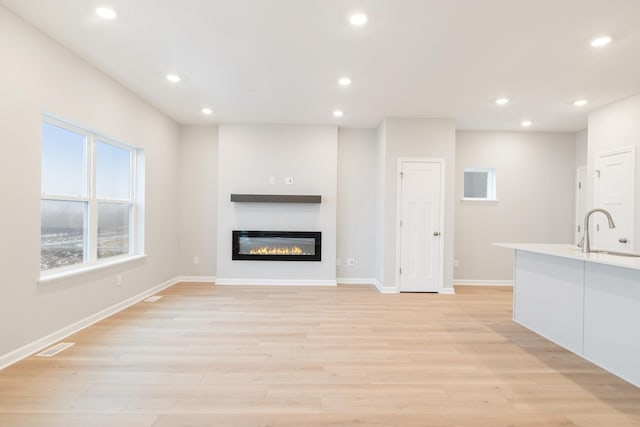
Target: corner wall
[(421, 138), (39, 75), (535, 174), (198, 202), (615, 126), (356, 204), (248, 155), (582, 148)]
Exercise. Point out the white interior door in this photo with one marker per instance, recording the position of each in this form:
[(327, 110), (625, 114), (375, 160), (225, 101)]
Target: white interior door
[(420, 234), (581, 201), (614, 182)]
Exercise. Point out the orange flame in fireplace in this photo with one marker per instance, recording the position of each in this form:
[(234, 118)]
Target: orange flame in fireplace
[(266, 250)]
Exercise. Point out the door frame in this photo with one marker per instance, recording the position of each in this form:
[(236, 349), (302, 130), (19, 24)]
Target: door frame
[(579, 216), (596, 188), (402, 160)]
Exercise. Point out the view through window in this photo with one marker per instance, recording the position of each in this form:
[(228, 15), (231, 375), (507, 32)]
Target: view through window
[(88, 197), (480, 184)]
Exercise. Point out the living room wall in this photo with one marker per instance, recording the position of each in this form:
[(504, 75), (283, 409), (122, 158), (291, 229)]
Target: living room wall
[(41, 76)]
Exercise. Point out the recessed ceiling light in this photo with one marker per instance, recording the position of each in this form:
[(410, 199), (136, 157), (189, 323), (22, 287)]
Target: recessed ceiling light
[(601, 41), (173, 78), (207, 111), (106, 13), (502, 101), (358, 19), (338, 113), (580, 102), (344, 81), (526, 123)]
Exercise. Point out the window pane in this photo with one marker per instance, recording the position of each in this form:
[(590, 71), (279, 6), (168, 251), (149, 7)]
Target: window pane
[(63, 161), (113, 229), (476, 184), (113, 166), (62, 233)]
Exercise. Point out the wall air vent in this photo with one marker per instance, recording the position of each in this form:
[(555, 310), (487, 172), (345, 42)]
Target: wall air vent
[(52, 351)]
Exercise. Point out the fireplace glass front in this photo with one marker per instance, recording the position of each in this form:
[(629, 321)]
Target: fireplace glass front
[(277, 245)]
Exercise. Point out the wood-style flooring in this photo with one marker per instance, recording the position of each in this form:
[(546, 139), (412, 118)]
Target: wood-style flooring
[(208, 355)]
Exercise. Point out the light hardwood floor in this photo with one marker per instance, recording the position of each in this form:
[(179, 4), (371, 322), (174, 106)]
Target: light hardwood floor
[(283, 356)]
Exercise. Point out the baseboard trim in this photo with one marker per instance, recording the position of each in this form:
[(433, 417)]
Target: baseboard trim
[(39, 344), (274, 282), (197, 279), (384, 290), (466, 282), (355, 281)]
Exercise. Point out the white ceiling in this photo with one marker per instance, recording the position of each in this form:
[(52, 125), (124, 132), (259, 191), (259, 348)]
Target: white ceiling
[(277, 61)]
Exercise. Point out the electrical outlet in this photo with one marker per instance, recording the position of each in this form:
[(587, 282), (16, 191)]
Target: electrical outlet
[(288, 180), (272, 180), (351, 261), (196, 260), (118, 279), (338, 261), (456, 263)]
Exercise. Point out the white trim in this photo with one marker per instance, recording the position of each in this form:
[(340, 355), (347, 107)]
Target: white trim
[(276, 282), (197, 279), (443, 175), (55, 198), (580, 188), (90, 197), (39, 344), (467, 282), (447, 291), (88, 268), (73, 126), (355, 281), (472, 200), (385, 290)]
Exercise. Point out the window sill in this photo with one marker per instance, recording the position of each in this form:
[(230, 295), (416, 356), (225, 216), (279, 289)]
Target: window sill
[(479, 200), (54, 277)]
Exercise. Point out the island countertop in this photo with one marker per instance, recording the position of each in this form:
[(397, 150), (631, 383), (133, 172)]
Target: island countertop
[(575, 253), (587, 303)]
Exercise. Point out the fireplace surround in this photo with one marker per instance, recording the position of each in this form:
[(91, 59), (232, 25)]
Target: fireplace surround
[(260, 245)]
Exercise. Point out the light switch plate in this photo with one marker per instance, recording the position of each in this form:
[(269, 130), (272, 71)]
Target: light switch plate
[(288, 180)]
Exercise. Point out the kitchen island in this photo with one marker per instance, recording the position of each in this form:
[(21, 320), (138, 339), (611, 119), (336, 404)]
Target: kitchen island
[(586, 303)]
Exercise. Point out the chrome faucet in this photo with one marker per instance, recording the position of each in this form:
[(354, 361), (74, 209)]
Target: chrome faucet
[(586, 243)]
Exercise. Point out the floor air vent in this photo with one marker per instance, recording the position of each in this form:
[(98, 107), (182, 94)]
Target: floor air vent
[(153, 298), (52, 351)]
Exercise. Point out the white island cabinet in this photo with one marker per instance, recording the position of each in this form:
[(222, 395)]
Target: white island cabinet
[(587, 303)]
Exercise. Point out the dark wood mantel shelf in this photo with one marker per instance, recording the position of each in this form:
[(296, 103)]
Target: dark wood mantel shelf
[(275, 198)]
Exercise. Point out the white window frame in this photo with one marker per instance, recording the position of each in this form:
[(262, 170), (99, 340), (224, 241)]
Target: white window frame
[(491, 185), (91, 261)]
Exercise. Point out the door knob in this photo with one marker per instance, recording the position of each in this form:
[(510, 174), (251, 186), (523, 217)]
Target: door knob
[(436, 233), (623, 240)]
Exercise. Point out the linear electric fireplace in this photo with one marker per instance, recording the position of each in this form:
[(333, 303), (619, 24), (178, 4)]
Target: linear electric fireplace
[(277, 245)]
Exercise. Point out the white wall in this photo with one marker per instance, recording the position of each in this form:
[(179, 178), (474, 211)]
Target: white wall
[(380, 201), (582, 139), (198, 201), (535, 173), (615, 126), (247, 157), (38, 75), (357, 203), (423, 138)]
